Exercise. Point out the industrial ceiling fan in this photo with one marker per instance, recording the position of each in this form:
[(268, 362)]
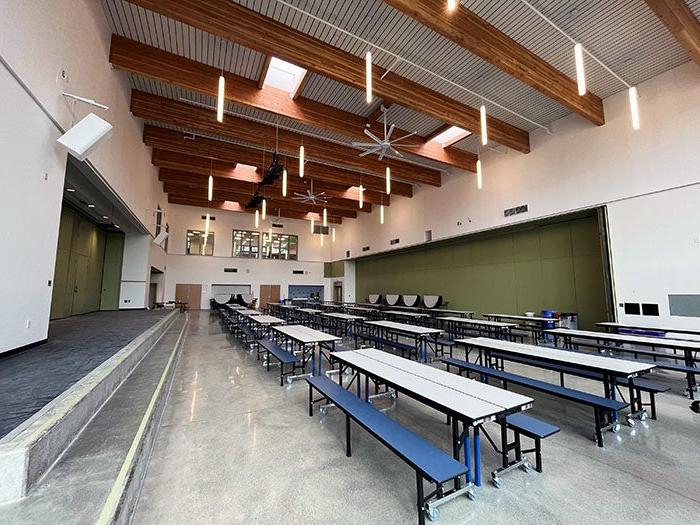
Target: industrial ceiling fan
[(382, 147), (310, 197)]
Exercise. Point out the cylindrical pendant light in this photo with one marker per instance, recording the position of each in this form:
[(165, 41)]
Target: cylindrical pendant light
[(388, 180), (210, 189), (257, 218), (362, 195), (322, 236), (479, 181), (634, 107), (580, 71), (333, 235), (220, 99), (381, 214), (301, 161), (264, 209), (206, 227), (325, 217), (484, 129), (451, 5), (368, 76), (284, 183), (312, 224)]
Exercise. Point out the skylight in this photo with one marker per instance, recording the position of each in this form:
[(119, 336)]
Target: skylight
[(450, 136), (283, 75)]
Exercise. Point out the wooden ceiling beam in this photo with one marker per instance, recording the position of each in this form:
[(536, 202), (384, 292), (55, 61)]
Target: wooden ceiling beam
[(200, 120), (171, 140), (237, 207), (479, 37), (301, 85), (164, 159), (199, 183), (154, 63), (185, 191), (263, 71), (681, 22), (255, 31)]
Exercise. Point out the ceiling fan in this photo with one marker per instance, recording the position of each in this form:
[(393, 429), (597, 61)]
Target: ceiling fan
[(382, 147), (310, 197)]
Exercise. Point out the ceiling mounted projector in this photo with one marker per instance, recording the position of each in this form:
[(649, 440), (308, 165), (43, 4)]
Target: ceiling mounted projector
[(83, 138)]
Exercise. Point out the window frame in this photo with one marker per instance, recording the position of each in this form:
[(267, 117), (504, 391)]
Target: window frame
[(200, 234), (252, 233), (276, 241)]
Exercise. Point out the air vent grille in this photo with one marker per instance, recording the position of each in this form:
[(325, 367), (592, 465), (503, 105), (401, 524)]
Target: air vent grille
[(365, 248), (230, 270), (394, 241), (515, 211)]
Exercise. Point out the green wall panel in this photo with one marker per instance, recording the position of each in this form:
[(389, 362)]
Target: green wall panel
[(555, 266), (112, 271)]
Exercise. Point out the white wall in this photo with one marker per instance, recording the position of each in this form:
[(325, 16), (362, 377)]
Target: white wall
[(39, 40), (208, 270), (578, 166)]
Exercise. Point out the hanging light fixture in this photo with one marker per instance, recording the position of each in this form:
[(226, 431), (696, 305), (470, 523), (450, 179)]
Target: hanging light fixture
[(333, 235), (220, 99), (206, 233), (451, 5), (301, 161), (580, 71), (368, 76), (257, 219), (484, 129), (381, 214), (362, 195), (388, 180), (264, 209), (210, 190), (322, 236), (325, 217), (479, 181), (312, 224), (284, 183), (634, 107)]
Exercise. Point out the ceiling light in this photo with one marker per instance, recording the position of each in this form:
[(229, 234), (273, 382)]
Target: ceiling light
[(484, 129), (210, 190), (257, 218), (220, 99), (479, 181), (105, 217), (388, 180), (283, 75), (368, 76), (634, 107), (301, 161), (190, 234), (116, 226), (450, 136), (580, 71), (325, 217), (71, 190), (381, 214), (206, 227), (312, 224), (284, 183), (91, 205), (362, 195), (333, 235), (264, 209), (451, 5)]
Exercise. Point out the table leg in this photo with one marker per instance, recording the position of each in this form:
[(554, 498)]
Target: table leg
[(477, 457)]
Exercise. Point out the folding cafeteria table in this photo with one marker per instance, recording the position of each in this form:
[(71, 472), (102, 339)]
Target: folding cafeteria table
[(460, 325), (304, 340), (341, 323), (422, 336)]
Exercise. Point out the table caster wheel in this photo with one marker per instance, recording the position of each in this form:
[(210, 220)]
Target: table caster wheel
[(471, 495), (631, 422), (526, 466), (432, 513), (615, 428), (643, 416), (290, 380), (496, 481), (323, 411), (392, 395)]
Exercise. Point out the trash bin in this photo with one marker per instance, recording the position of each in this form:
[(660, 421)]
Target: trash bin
[(553, 314)]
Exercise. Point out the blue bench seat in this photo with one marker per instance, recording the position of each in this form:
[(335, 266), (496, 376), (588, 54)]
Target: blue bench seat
[(429, 462), (533, 428), (402, 347), (272, 349)]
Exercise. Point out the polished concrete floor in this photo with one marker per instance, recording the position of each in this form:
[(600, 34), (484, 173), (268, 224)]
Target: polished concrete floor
[(235, 447), (77, 345)]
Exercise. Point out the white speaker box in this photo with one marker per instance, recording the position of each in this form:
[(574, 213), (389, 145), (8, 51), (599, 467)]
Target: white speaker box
[(161, 238), (83, 138)]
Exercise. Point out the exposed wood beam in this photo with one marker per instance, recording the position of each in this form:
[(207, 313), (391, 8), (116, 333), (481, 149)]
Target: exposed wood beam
[(171, 140), (199, 183), (237, 207), (263, 71), (154, 63), (224, 170), (200, 120), (239, 24), (185, 191), (301, 85), (430, 136), (481, 38), (681, 22)]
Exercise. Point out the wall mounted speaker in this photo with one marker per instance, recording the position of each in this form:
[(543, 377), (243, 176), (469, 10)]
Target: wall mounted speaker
[(83, 138), (160, 238)]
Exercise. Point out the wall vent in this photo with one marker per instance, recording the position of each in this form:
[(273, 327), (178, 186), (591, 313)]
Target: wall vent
[(515, 211), (277, 225), (365, 248), (211, 218), (230, 270), (298, 272), (394, 241), (428, 235), (347, 254)]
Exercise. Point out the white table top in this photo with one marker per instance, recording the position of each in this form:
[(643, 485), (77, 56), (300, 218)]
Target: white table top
[(361, 309), (235, 307), (650, 328), (408, 328), (370, 305), (290, 306), (597, 363), (249, 312), (309, 310), (472, 399), (524, 318), (344, 317), (478, 322), (448, 312), (661, 342), (267, 319), (304, 334), (404, 314)]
